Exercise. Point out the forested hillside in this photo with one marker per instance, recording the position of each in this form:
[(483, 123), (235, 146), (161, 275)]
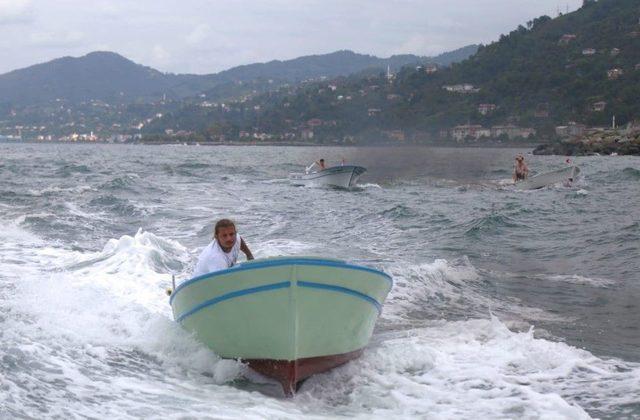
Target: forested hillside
[(579, 67)]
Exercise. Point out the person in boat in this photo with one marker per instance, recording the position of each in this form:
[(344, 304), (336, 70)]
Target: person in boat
[(521, 170), (319, 163), (222, 252)]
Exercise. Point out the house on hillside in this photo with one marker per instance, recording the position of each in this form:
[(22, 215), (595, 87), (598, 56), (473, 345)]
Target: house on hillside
[(372, 112), (461, 132), (614, 52), (566, 39), (542, 110), (486, 109), (397, 135), (614, 74), (588, 51), (637, 66), (512, 131), (464, 88), (598, 106), (430, 68), (573, 129), (314, 122)]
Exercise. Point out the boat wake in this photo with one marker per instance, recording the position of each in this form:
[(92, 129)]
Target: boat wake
[(91, 329), (476, 368)]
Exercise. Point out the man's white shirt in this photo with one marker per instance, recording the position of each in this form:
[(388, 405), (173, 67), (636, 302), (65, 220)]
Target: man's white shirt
[(213, 258)]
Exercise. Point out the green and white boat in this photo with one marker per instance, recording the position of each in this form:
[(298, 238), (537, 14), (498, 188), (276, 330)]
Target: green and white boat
[(288, 318)]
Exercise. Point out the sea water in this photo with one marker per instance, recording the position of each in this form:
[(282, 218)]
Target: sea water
[(506, 304)]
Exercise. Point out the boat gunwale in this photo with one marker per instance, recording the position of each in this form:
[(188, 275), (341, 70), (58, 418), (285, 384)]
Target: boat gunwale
[(276, 263), (569, 172), (334, 170), (275, 286), (573, 169)]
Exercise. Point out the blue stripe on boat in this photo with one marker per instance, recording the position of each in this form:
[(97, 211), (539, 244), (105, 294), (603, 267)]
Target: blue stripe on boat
[(275, 263), (232, 295), (341, 289), (275, 286)]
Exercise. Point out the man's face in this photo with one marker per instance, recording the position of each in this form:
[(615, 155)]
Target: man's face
[(226, 237)]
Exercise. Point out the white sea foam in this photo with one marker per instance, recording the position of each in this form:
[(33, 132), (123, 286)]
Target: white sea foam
[(369, 185), (94, 337), (78, 189), (578, 279), (473, 369)]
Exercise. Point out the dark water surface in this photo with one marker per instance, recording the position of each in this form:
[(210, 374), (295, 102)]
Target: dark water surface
[(506, 303)]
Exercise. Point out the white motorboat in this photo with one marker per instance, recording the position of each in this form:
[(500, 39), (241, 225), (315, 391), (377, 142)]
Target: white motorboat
[(565, 176), (337, 176)]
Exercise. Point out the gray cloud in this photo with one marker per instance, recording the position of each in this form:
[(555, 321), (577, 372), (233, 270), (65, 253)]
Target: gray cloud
[(204, 36), (15, 12)]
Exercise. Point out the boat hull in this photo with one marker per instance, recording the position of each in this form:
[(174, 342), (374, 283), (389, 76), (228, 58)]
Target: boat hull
[(336, 176), (561, 176), (290, 373), (288, 318)]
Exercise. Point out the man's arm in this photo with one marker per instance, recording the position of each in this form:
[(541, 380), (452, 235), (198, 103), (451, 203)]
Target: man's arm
[(244, 248)]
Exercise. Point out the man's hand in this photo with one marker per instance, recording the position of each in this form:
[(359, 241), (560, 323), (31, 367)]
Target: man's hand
[(244, 248)]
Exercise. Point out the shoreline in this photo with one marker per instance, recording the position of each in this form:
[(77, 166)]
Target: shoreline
[(292, 144)]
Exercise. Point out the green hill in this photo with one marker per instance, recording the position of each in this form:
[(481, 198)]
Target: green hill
[(544, 74), (102, 76), (111, 78)]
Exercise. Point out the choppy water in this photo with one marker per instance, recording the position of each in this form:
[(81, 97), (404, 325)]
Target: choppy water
[(506, 304)]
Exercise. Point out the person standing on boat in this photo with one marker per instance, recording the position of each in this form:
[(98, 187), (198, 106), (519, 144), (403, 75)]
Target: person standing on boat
[(521, 170), (222, 252)]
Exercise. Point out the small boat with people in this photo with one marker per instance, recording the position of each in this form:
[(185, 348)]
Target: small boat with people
[(565, 176), (343, 176), (286, 317)]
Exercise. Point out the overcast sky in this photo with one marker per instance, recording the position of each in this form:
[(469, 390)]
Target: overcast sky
[(206, 36)]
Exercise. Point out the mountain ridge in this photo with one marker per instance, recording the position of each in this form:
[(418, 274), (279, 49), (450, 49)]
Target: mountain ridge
[(111, 77)]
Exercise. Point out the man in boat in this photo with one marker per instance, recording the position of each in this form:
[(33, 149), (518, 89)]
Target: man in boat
[(319, 163), (521, 170), (222, 252)]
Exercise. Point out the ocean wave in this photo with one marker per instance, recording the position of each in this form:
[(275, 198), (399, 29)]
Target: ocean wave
[(399, 211), (119, 183), (119, 206), (474, 369), (65, 171), (631, 173), (491, 224), (456, 288)]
